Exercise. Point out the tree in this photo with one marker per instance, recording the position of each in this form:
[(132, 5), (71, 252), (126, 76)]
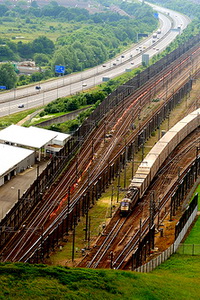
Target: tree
[(41, 59), (34, 4), (8, 76), (3, 9), (6, 53), (43, 45)]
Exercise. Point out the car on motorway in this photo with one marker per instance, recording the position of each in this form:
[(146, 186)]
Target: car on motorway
[(103, 66), (84, 84), (20, 105), (114, 64), (132, 63), (38, 87)]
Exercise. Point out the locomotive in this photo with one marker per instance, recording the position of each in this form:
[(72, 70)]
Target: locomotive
[(155, 158)]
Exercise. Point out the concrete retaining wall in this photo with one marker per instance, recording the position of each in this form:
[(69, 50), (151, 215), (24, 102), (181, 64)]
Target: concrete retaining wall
[(63, 118)]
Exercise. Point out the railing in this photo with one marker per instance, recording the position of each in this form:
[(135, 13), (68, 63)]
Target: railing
[(190, 249)]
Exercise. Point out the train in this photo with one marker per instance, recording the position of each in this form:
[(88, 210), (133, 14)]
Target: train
[(155, 158)]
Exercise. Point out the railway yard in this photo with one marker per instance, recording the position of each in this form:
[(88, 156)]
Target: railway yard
[(102, 158)]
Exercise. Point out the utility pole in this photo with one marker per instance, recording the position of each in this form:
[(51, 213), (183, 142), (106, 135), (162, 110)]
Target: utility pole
[(73, 241), (118, 186), (151, 210), (133, 156), (77, 169), (89, 225), (86, 224), (111, 201), (125, 165)]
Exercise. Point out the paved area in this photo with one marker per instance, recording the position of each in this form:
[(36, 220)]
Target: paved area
[(22, 181)]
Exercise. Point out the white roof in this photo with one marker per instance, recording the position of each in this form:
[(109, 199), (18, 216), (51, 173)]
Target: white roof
[(60, 136), (10, 156), (28, 136)]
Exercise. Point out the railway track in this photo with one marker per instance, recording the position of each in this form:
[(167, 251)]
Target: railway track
[(117, 253), (93, 157)]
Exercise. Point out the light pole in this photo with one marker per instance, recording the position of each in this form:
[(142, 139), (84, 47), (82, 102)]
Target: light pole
[(43, 98), (14, 91), (70, 90)]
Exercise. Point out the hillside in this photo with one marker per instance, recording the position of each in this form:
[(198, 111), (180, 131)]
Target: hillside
[(178, 278)]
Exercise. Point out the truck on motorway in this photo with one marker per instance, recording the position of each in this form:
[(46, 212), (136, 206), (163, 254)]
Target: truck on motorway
[(105, 79)]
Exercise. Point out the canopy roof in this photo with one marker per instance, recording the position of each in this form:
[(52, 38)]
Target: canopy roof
[(27, 136), (11, 156)]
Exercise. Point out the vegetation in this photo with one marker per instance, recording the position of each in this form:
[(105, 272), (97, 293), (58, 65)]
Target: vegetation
[(194, 236), (95, 97), (71, 39), (8, 77), (14, 118), (190, 8), (44, 282)]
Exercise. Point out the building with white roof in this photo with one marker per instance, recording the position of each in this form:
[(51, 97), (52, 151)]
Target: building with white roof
[(14, 160), (21, 146), (29, 137), (58, 142)]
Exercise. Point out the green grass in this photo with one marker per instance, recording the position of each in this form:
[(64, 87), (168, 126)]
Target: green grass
[(191, 244), (194, 236), (29, 32), (15, 118), (175, 279), (197, 191)]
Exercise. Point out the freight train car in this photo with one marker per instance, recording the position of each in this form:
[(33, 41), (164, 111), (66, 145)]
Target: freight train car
[(156, 157)]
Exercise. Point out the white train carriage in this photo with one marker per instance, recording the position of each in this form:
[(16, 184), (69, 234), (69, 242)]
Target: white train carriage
[(181, 130), (138, 183), (162, 149), (193, 120), (143, 172), (170, 139), (142, 180)]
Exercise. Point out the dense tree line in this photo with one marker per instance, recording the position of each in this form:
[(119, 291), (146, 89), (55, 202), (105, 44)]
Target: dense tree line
[(82, 99), (190, 8), (84, 45)]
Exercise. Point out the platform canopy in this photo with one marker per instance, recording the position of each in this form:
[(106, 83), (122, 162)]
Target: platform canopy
[(27, 136), (11, 156)]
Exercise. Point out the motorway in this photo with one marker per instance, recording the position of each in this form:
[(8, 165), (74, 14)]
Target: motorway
[(30, 97), (61, 201)]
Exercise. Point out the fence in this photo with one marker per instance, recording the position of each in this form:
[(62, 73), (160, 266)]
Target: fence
[(190, 249), (151, 265)]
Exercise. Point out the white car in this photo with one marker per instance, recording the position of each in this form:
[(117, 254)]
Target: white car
[(21, 106)]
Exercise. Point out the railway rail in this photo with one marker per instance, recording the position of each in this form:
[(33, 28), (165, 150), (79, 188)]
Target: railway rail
[(118, 253), (64, 198)]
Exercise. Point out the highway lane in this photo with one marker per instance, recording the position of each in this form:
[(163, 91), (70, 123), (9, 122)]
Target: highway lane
[(29, 97)]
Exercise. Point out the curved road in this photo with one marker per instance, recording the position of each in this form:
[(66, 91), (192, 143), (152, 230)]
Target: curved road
[(71, 84)]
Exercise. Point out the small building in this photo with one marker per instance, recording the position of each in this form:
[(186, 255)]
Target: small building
[(58, 142), (14, 160), (32, 138)]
